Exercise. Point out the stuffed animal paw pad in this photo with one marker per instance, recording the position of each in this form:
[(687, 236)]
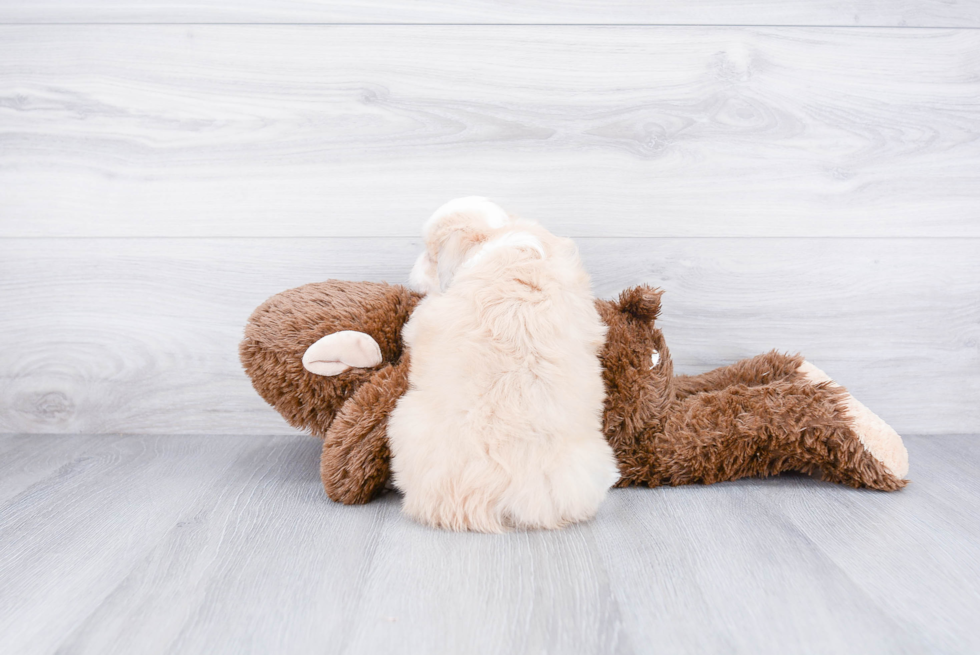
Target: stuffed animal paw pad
[(877, 437)]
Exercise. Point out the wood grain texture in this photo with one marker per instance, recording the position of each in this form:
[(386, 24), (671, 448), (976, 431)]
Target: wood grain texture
[(878, 570), (877, 573), (899, 13), (227, 544), (22, 463), (140, 335), (363, 130), (181, 521)]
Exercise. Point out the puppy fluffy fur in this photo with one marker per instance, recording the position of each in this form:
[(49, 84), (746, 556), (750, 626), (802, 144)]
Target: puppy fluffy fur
[(502, 424)]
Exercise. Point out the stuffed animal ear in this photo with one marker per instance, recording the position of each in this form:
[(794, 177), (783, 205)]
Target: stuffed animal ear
[(337, 352), (641, 302)]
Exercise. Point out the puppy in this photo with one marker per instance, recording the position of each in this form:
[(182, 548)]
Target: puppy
[(501, 427)]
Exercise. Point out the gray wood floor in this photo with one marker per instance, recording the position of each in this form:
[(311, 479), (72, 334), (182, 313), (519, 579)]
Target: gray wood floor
[(223, 544)]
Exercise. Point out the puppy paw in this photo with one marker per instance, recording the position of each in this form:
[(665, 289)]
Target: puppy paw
[(877, 437), (337, 352)]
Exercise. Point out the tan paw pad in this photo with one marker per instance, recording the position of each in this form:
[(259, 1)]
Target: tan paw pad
[(877, 437)]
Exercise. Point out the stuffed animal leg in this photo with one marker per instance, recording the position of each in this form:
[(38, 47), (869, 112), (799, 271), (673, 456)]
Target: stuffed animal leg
[(876, 437), (763, 416), (764, 430), (754, 371)]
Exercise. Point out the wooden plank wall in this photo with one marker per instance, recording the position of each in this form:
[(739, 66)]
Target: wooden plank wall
[(803, 176), (894, 13)]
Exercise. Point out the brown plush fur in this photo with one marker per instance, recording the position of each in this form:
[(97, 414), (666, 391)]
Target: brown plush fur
[(355, 463), (284, 326), (757, 417), (348, 411)]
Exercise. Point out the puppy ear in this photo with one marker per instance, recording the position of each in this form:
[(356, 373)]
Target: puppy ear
[(453, 251), (423, 275), (453, 231), (475, 208), (642, 302)]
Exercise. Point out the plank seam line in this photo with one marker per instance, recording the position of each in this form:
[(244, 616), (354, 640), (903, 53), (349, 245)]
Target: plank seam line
[(269, 435), (392, 237), (644, 25)]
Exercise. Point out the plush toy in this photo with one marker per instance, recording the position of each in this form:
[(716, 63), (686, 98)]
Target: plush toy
[(329, 358)]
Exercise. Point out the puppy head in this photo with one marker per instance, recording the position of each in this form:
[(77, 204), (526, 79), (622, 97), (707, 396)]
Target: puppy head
[(451, 234)]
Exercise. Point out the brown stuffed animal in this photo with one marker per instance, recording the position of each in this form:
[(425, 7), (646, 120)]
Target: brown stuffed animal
[(757, 417)]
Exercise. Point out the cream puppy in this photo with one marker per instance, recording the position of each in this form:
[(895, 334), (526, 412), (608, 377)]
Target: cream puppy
[(502, 424)]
